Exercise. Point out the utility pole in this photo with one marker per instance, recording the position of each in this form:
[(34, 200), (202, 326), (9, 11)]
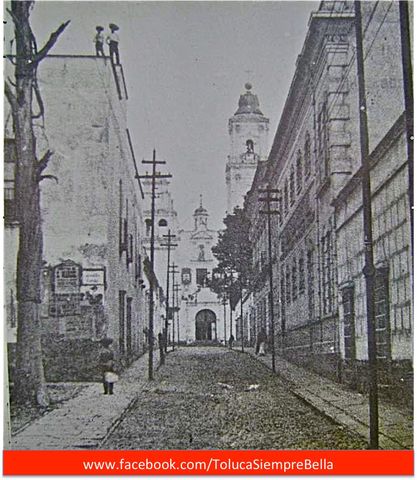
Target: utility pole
[(169, 245), (174, 271), (230, 304), (268, 212), (155, 175), (177, 311), (369, 268), (408, 103), (241, 314), (224, 318)]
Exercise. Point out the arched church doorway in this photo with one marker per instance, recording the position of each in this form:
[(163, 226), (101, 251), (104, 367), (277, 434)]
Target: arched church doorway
[(205, 325)]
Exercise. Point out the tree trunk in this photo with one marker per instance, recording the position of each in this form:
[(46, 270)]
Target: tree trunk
[(29, 381)]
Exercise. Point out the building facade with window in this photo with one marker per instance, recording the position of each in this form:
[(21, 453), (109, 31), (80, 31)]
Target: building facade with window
[(93, 279), (317, 236)]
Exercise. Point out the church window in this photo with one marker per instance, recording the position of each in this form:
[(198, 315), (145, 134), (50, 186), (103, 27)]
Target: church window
[(292, 186), (163, 222), (299, 167), (249, 146), (307, 155), (201, 276)]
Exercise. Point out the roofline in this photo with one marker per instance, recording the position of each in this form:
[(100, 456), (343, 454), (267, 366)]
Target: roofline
[(298, 78)]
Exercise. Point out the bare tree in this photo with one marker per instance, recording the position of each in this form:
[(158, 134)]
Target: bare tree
[(29, 378)]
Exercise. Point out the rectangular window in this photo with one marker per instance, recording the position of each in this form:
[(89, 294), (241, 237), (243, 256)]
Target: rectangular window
[(323, 147), (201, 276), (349, 322), (326, 262), (122, 334), (299, 170), (138, 265), (129, 325), (301, 276), (294, 281), (307, 155), (286, 197), (288, 285), (292, 185), (310, 283), (129, 252), (382, 318)]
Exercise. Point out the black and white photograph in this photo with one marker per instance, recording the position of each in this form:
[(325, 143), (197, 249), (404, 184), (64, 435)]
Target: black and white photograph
[(208, 225)]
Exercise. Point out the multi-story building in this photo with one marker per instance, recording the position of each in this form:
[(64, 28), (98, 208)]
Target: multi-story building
[(93, 230), (248, 132), (319, 288)]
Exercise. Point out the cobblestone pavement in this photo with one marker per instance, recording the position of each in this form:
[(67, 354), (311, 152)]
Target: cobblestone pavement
[(212, 398), (345, 406)]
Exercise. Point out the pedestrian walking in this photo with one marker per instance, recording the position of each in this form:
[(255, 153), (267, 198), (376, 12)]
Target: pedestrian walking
[(108, 366), (260, 343), (231, 340), (99, 41), (113, 43)]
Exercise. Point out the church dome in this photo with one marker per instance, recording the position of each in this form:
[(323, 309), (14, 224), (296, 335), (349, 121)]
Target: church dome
[(248, 102), (200, 210)]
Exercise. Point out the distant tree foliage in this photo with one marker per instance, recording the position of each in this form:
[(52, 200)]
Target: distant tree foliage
[(234, 255)]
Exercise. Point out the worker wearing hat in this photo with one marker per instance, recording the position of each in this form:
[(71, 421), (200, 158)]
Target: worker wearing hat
[(99, 41), (113, 43)]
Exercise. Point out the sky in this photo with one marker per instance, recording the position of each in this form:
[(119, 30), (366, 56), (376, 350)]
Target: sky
[(185, 65)]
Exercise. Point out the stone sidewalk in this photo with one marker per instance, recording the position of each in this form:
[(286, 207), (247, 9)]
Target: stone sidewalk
[(84, 421), (344, 406)]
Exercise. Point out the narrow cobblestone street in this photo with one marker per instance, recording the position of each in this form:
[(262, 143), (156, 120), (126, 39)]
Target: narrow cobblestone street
[(212, 398)]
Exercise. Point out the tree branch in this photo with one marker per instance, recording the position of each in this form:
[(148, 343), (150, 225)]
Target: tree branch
[(43, 162), (16, 20), (11, 97), (43, 52), (52, 177)]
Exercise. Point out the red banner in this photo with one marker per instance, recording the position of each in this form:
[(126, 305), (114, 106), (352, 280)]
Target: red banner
[(203, 462)]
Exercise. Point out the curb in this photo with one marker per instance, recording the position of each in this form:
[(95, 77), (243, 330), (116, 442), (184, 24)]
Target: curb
[(306, 400)]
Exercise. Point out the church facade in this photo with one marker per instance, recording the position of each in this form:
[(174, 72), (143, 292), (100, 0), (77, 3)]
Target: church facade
[(202, 316)]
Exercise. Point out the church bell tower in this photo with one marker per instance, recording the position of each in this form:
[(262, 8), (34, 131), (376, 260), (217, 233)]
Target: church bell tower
[(248, 131)]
